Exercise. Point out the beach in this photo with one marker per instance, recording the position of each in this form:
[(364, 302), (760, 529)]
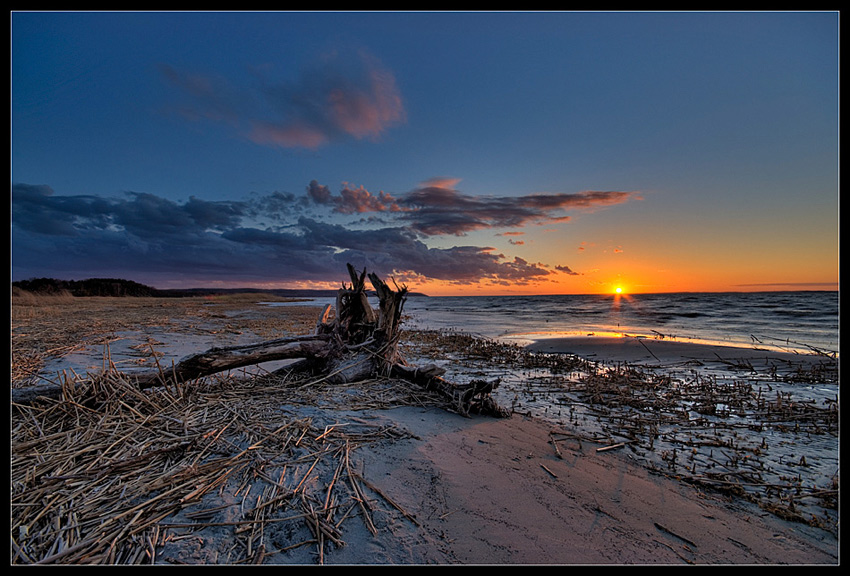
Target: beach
[(497, 492), (255, 468)]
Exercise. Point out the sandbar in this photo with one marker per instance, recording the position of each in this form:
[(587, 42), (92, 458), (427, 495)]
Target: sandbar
[(666, 352)]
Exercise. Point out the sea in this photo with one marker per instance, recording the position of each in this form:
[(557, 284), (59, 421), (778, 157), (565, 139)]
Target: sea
[(799, 321), (803, 321)]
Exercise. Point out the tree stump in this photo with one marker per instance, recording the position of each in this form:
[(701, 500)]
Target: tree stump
[(359, 342)]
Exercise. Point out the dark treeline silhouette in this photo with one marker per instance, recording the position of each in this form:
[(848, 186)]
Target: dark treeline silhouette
[(119, 287), (90, 287)]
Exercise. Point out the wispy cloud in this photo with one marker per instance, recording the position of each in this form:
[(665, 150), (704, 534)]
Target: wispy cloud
[(438, 208), (566, 270), (340, 97), (152, 239)]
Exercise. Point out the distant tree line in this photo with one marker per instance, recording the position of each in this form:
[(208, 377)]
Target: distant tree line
[(119, 287), (90, 287)]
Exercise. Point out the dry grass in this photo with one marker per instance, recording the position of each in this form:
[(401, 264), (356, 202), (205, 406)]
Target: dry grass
[(110, 475), (46, 327)]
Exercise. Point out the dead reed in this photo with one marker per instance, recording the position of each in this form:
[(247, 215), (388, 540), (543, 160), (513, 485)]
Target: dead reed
[(747, 438), (744, 434), (113, 475), (47, 327)]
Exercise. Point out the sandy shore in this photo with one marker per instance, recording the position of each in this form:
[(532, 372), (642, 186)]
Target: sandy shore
[(485, 491), (497, 492)]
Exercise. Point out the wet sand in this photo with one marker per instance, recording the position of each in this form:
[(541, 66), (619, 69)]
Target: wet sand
[(497, 492), (661, 352), (510, 492)]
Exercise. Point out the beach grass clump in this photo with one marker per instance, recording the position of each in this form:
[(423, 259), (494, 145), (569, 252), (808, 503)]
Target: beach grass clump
[(111, 474), (469, 348)]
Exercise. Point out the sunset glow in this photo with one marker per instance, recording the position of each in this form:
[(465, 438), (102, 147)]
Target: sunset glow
[(460, 153)]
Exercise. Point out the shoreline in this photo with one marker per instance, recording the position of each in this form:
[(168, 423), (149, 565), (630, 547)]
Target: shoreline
[(508, 495), (440, 488)]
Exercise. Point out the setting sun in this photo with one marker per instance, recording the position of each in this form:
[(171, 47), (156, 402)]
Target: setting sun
[(618, 290)]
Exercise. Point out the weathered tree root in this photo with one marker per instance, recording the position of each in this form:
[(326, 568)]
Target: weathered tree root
[(358, 343)]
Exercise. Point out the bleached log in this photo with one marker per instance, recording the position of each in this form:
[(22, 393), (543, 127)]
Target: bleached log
[(358, 343), (217, 360)]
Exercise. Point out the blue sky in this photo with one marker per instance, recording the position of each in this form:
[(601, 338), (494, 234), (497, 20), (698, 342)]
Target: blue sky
[(459, 152)]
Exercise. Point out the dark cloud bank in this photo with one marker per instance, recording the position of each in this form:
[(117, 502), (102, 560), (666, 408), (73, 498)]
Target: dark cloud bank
[(279, 237)]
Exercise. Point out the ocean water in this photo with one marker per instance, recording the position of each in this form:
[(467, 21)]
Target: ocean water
[(795, 321)]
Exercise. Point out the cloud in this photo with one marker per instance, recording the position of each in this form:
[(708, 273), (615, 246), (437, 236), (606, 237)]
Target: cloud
[(566, 270), (37, 209), (437, 208), (434, 210), (319, 193), (399, 251), (152, 239), (148, 238), (352, 200), (351, 96)]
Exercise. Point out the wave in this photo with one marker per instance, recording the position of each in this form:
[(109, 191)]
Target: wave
[(810, 318)]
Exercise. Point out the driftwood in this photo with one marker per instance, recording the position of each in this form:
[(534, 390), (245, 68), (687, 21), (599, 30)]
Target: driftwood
[(357, 343)]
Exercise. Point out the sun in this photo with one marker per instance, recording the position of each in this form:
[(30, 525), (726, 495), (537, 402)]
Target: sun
[(618, 290)]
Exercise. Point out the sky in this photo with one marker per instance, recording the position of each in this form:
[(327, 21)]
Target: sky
[(456, 153)]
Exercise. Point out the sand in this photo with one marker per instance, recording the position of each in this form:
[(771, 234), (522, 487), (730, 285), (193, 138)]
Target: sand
[(495, 492), (487, 491), (484, 491)]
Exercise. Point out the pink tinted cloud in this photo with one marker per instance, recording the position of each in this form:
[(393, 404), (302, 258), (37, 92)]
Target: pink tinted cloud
[(341, 97), (437, 208), (359, 200), (441, 182), (352, 200), (366, 111), (293, 136)]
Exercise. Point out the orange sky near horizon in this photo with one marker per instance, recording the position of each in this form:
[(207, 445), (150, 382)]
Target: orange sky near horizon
[(632, 280)]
